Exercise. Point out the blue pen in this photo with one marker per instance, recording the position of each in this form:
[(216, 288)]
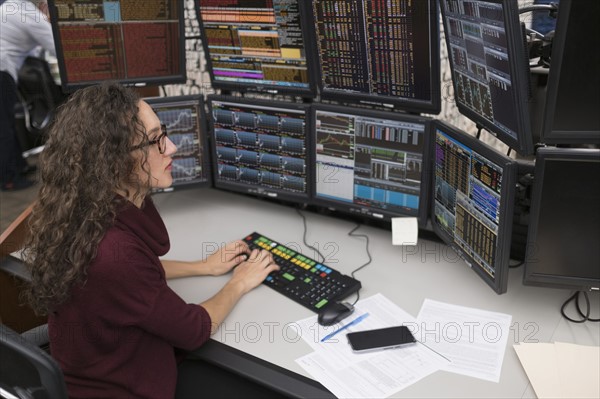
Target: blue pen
[(352, 323)]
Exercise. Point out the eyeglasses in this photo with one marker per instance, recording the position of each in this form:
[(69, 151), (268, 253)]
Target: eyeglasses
[(160, 140)]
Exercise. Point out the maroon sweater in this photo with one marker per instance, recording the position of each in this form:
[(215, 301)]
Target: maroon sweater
[(116, 336)]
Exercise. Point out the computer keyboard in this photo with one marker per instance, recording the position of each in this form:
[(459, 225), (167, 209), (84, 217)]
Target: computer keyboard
[(302, 279)]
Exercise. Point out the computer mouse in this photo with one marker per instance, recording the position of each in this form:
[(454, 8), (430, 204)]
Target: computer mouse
[(335, 312)]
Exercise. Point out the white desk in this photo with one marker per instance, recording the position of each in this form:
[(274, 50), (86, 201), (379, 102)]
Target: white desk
[(262, 325)]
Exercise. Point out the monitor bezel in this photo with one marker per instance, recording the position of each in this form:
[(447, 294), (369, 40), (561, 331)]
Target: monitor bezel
[(309, 92), (549, 135), (205, 154), (432, 106), (507, 202), (519, 68), (68, 86), (259, 191), (531, 277), (363, 211)]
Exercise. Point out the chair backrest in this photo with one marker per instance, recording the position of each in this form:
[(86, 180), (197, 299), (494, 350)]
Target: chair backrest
[(26, 371), (38, 91)]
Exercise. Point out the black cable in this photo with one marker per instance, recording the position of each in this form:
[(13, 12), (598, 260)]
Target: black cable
[(585, 316), (366, 237), (479, 129), (508, 152), (304, 237), (351, 234)]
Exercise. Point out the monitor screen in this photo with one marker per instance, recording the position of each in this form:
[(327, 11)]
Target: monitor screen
[(370, 163), (573, 95), (564, 221), (130, 41), (185, 119), (489, 70), (256, 45), (260, 147), (386, 52), (473, 201)]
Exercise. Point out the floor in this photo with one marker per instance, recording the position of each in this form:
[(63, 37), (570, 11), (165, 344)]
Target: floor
[(13, 203)]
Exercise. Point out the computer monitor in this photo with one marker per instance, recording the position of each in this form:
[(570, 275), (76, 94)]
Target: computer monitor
[(369, 163), (490, 72), (185, 119), (473, 201), (129, 41), (564, 221), (573, 91), (260, 147), (257, 45), (385, 52)]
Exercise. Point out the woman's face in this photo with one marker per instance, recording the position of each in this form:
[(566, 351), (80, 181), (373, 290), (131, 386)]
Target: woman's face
[(159, 165)]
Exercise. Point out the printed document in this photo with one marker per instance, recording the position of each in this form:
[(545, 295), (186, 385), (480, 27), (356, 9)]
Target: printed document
[(366, 375), (473, 340)]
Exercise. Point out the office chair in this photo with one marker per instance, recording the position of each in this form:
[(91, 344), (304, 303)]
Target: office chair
[(39, 96), (26, 371)]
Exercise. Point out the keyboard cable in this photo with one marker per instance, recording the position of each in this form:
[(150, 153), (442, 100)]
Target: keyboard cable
[(351, 234), (304, 237), (366, 237)]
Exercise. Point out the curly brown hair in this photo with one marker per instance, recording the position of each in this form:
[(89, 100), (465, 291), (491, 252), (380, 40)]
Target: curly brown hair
[(86, 161)]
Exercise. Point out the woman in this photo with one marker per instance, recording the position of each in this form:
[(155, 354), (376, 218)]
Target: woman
[(115, 326)]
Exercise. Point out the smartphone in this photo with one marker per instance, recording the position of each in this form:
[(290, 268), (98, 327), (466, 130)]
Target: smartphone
[(382, 338)]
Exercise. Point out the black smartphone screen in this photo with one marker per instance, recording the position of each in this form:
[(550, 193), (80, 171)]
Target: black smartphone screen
[(380, 339)]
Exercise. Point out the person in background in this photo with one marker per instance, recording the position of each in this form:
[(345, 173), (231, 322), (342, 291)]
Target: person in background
[(24, 26), (116, 328)]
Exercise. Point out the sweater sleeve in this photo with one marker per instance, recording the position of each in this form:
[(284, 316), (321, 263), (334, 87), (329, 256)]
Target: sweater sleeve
[(137, 294), (185, 326)]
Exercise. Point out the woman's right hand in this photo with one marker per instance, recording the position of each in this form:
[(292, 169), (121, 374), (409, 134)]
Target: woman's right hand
[(250, 273)]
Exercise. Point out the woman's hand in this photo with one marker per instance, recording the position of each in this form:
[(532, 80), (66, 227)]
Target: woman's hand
[(251, 273), (226, 258), (246, 276)]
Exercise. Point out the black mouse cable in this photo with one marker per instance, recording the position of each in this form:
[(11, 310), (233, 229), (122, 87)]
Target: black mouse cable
[(304, 236), (366, 237)]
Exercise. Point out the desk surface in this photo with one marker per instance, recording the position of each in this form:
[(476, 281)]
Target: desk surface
[(201, 220)]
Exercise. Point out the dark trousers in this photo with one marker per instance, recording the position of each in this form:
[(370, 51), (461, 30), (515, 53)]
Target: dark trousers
[(11, 157)]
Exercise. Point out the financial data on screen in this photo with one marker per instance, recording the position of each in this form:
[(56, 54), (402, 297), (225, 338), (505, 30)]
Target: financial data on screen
[(468, 189), (255, 44), (369, 162), (126, 40), (489, 71), (183, 119), (260, 147), (379, 50)]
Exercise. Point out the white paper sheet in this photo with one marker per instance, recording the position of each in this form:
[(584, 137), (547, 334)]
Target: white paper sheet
[(473, 339), (366, 375)]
